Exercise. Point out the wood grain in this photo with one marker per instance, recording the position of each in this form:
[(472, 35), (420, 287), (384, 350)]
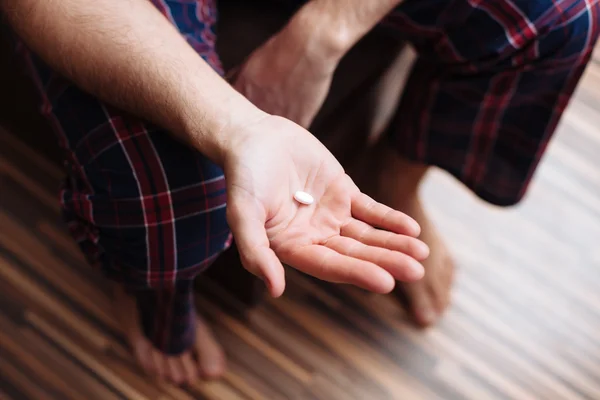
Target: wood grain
[(524, 324)]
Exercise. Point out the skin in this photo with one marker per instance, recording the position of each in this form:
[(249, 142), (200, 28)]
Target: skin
[(290, 76), (397, 184), (291, 73), (128, 55)]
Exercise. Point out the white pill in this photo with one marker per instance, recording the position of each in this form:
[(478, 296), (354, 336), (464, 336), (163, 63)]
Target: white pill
[(303, 197)]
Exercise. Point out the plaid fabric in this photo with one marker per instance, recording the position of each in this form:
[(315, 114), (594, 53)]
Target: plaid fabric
[(492, 80), (148, 210)]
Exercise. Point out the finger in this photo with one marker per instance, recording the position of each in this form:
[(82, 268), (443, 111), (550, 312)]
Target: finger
[(327, 264), (255, 253), (370, 236), (399, 265), (373, 213), (175, 370)]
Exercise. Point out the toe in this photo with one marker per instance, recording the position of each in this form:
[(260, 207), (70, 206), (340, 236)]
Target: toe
[(142, 350), (440, 293), (143, 355), (178, 370), (159, 363), (211, 365), (442, 285), (421, 303), (189, 368), (175, 373), (449, 272), (210, 355)]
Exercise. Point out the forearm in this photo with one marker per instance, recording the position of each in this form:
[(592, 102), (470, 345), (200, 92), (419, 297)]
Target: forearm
[(127, 54), (334, 26)]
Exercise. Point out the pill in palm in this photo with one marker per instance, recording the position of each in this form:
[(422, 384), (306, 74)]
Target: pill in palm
[(303, 197)]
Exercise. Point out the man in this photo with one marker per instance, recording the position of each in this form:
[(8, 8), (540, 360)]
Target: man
[(484, 97)]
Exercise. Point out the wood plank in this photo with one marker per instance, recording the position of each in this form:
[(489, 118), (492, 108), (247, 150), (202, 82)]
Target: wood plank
[(51, 305), (12, 342), (523, 325), (28, 386), (88, 385), (31, 250), (90, 360)]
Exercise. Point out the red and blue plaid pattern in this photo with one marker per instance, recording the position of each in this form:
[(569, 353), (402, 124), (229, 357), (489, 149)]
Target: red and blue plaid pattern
[(148, 210), (492, 80)]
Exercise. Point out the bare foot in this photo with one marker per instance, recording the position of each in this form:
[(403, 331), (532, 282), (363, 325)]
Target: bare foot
[(396, 184), (205, 359), (429, 297)]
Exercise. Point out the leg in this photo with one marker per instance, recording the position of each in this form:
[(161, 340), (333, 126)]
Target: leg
[(480, 106), (397, 185), (149, 211)]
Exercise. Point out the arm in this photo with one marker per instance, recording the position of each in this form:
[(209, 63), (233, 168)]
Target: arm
[(127, 54), (332, 27), (290, 75)]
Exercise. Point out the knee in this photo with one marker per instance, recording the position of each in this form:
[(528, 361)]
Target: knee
[(200, 238), (164, 247), (572, 35), (158, 206)]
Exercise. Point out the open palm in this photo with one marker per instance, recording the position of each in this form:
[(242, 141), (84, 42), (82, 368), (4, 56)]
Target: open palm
[(344, 236)]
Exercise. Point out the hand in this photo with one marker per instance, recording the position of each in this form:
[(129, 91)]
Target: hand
[(287, 77), (336, 238)]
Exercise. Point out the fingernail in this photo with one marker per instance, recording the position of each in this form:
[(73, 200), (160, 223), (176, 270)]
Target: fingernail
[(416, 271)]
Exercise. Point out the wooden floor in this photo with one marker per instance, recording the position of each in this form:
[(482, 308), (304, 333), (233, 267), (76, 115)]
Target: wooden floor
[(525, 323)]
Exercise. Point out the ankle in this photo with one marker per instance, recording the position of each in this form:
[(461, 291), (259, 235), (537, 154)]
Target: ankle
[(395, 174)]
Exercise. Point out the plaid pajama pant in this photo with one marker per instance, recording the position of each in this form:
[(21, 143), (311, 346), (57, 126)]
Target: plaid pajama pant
[(491, 81)]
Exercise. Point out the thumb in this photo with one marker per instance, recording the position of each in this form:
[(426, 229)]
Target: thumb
[(255, 253)]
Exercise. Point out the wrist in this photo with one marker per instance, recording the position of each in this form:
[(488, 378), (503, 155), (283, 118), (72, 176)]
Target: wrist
[(323, 34), (213, 129), (334, 26)]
